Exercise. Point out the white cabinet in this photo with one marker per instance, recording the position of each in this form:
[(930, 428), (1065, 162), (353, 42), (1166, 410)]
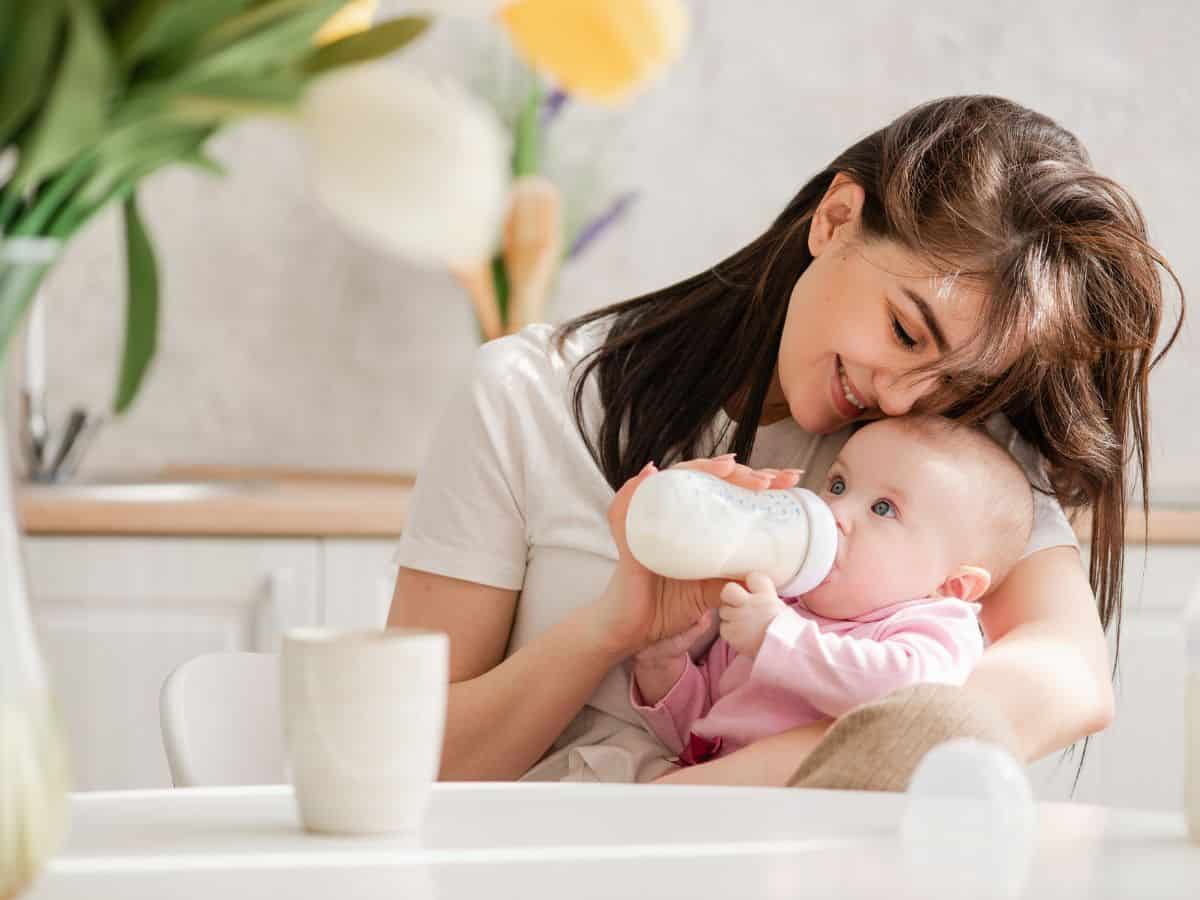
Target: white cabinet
[(116, 615), (1138, 760), (358, 577)]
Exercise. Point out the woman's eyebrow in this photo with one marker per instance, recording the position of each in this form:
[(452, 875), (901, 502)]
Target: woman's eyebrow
[(931, 322)]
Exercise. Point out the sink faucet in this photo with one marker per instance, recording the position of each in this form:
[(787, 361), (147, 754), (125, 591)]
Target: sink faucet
[(41, 461)]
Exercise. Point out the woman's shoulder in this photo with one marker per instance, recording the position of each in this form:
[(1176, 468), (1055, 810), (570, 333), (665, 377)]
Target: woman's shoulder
[(534, 353), (1026, 455), (528, 378)]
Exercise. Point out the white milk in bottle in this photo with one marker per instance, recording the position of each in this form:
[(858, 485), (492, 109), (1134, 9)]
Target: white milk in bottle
[(687, 524)]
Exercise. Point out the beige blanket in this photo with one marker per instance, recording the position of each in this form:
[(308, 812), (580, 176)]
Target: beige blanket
[(877, 746)]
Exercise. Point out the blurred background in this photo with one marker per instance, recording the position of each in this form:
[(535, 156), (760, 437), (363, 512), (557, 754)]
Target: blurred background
[(284, 340)]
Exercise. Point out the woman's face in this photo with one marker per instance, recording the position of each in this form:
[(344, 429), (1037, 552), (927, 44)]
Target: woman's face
[(862, 316)]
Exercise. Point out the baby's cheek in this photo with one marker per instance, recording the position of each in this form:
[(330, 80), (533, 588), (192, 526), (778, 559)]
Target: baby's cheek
[(892, 570)]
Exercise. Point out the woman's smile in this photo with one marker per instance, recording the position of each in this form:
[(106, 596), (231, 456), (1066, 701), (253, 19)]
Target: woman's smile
[(846, 400)]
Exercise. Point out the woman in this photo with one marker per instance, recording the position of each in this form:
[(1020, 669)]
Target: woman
[(964, 259)]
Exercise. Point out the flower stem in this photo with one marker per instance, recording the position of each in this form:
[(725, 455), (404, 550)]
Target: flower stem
[(500, 278), (10, 199), (527, 131), (53, 197)]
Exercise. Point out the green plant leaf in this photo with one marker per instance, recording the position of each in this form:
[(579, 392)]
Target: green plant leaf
[(378, 41), (150, 28), (263, 38), (126, 157), (26, 55), (220, 99), (198, 159), (141, 313), (77, 106)]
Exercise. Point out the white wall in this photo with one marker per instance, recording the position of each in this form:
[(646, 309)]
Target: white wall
[(286, 342)]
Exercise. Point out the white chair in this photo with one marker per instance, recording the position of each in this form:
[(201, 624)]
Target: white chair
[(220, 720)]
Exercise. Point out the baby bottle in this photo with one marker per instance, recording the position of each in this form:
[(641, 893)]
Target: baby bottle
[(687, 524)]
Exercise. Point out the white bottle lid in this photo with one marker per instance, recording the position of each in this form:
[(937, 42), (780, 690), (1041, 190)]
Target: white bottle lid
[(822, 545)]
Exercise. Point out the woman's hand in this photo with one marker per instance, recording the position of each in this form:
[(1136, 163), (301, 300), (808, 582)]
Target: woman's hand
[(677, 645), (640, 607)]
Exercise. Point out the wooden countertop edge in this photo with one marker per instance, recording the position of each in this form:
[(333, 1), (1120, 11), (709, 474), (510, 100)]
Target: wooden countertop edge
[(1168, 525), (303, 509), (360, 508)]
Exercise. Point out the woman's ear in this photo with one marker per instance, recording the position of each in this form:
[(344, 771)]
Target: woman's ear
[(967, 583), (838, 213)]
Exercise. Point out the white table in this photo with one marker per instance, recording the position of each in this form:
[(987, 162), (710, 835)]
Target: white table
[(532, 841)]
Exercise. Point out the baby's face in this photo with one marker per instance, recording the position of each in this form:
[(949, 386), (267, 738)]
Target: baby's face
[(900, 508)]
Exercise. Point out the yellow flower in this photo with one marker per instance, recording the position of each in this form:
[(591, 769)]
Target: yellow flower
[(604, 50), (350, 19)]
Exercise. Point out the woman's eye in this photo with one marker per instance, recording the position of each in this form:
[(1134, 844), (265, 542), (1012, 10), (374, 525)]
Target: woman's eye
[(884, 508), (837, 486), (906, 339)]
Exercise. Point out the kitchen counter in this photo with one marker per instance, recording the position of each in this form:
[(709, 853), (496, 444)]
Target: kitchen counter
[(268, 502), (279, 502)]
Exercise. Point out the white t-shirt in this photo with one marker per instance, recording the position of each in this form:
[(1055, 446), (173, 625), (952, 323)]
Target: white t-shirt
[(509, 496)]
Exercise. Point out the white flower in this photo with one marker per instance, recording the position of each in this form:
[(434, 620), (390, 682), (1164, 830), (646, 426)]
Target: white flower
[(416, 166)]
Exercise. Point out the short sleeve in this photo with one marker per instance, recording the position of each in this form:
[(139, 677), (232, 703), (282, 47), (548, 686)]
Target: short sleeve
[(466, 516), (1050, 525)]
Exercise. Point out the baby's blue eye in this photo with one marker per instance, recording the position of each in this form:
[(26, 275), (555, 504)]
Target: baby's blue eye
[(884, 508), (837, 486)]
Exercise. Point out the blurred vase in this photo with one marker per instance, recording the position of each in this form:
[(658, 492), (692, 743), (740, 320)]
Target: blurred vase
[(33, 765)]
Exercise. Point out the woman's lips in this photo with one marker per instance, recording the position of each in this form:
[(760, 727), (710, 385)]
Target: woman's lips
[(844, 407)]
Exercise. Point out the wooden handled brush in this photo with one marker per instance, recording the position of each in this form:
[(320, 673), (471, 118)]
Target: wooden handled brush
[(532, 242), (477, 281)]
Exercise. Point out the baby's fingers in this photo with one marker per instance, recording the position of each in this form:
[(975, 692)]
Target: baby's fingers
[(733, 594), (758, 583)]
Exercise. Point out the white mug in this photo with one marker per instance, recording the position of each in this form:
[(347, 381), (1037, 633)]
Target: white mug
[(363, 717)]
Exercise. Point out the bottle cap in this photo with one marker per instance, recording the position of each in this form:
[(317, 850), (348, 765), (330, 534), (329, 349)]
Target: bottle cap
[(822, 545)]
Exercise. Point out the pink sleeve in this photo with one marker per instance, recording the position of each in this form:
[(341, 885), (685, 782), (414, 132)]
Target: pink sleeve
[(835, 673), (690, 698)]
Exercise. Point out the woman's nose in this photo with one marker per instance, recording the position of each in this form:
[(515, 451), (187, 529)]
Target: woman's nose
[(897, 394)]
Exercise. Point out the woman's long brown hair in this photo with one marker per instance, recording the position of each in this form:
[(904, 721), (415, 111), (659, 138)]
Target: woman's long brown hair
[(983, 189)]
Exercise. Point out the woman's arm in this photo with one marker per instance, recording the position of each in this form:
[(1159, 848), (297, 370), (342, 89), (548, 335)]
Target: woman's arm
[(770, 762), (1047, 666), (502, 715), (1046, 670)]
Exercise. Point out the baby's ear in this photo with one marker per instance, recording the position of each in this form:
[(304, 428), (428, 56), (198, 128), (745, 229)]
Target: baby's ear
[(967, 583)]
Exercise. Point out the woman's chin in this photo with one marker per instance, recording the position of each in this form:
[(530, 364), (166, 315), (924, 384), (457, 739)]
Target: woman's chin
[(823, 423)]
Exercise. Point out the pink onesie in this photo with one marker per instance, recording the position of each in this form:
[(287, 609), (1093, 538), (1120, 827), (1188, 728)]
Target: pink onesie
[(811, 668)]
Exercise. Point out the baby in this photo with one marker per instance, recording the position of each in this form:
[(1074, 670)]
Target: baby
[(930, 515)]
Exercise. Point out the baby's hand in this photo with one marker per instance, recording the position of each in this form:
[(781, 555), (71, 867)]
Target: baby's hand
[(746, 614)]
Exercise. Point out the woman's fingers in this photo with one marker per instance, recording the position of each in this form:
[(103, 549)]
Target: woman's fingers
[(787, 478), (696, 630), (726, 467)]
